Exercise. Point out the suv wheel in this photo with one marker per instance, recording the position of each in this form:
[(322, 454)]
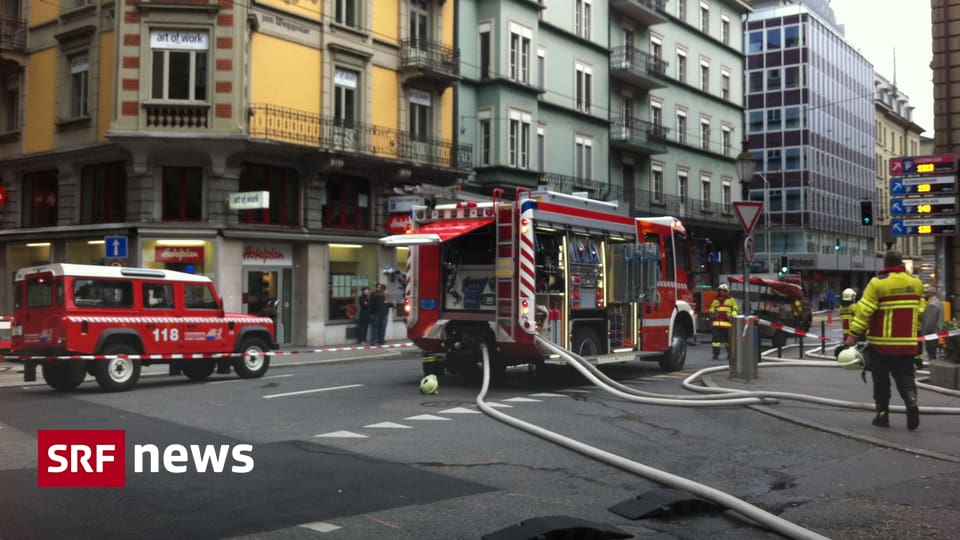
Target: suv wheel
[(118, 373), (64, 375), (252, 363), (199, 370)]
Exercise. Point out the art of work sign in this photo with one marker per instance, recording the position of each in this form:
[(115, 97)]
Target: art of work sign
[(169, 39)]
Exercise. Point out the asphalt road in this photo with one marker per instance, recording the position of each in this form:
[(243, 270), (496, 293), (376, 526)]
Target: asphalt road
[(352, 450)]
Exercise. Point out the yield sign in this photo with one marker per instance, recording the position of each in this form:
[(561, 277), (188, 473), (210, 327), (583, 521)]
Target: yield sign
[(748, 212)]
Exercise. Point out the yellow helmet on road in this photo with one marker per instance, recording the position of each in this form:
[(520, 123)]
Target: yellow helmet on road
[(429, 385), (850, 358)]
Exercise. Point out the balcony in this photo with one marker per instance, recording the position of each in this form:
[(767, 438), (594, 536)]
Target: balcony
[(637, 68), (646, 203), (283, 125), (648, 12), (13, 34), (177, 116), (571, 184), (423, 59), (638, 136)]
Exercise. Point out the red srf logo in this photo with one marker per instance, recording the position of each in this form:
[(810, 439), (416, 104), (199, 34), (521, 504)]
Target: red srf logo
[(81, 458)]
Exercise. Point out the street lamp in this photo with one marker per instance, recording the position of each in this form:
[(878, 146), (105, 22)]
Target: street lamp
[(745, 167)]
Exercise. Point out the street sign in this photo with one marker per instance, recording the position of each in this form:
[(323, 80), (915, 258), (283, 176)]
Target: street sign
[(116, 262), (924, 227), (748, 212), (116, 247), (923, 205), (923, 185), (923, 164)]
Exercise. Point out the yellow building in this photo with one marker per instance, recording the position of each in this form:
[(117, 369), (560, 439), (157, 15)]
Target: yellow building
[(126, 127)]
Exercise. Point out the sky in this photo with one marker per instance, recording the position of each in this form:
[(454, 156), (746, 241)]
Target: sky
[(878, 28)]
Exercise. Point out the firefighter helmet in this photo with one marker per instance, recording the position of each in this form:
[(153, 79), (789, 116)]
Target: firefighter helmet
[(724, 287), (850, 358), (848, 295), (429, 385)]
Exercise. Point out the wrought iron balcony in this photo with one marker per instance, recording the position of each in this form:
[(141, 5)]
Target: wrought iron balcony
[(645, 11), (638, 136), (13, 34), (432, 60), (572, 184), (647, 203), (280, 124), (637, 68)]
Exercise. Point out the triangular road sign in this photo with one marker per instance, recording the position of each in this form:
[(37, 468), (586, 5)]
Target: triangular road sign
[(748, 212)]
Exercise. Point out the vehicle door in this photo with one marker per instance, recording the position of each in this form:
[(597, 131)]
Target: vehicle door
[(206, 330), (655, 301), (164, 328), (38, 311)]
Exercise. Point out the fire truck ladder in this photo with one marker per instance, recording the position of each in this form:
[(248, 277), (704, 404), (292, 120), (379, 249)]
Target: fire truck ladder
[(506, 257)]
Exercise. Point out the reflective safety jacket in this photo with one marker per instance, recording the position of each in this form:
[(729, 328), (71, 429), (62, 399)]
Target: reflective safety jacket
[(847, 313), (724, 311), (889, 312)]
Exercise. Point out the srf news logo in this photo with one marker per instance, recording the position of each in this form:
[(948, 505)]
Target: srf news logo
[(97, 458)]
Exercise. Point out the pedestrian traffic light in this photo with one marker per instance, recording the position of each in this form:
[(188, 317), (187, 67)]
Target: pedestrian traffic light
[(866, 212), (784, 265)]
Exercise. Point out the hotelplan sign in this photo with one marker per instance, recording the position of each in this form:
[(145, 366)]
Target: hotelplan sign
[(249, 200)]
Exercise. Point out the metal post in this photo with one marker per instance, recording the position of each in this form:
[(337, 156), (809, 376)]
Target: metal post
[(744, 349), (823, 334), (746, 276)]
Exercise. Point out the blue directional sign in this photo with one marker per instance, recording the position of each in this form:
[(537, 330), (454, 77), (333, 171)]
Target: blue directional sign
[(924, 227), (116, 247), (923, 205), (922, 185)]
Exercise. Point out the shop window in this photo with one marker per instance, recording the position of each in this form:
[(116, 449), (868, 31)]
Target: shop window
[(283, 184), (40, 199), (346, 203), (182, 194), (103, 193), (352, 267)]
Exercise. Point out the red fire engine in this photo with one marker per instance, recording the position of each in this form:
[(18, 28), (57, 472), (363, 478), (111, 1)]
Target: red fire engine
[(578, 272)]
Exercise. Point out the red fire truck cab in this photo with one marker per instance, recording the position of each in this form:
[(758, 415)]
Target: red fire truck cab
[(68, 317), (578, 272)]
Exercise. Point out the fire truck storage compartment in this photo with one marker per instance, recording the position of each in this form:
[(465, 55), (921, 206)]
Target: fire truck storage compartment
[(468, 271)]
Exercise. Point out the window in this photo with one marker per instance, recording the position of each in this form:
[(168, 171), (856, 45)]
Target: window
[(656, 183), (773, 120), (583, 157), (704, 18), (774, 160), (682, 186), (79, 84), (773, 79), (345, 97), (584, 80), (182, 193), (682, 127), (582, 18), (791, 36), (773, 39), (420, 122), (704, 76), (792, 159), (705, 133), (726, 197), (199, 297), (10, 107), (420, 23), (725, 85), (282, 183), (541, 68), (727, 134), (484, 137), (40, 199), (103, 193), (755, 42), (791, 77), (656, 48), (520, 53), (705, 191), (103, 293), (656, 114), (628, 114), (791, 118), (155, 295), (756, 121), (725, 29), (519, 139), (682, 10), (541, 147), (346, 12), (346, 203), (755, 81), (682, 66), (484, 51), (179, 65)]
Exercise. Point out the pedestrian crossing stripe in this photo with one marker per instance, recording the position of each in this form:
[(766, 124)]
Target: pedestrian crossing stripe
[(387, 425), (342, 435)]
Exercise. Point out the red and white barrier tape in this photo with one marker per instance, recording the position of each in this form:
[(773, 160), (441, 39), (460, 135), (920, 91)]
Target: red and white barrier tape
[(791, 330), (207, 355)]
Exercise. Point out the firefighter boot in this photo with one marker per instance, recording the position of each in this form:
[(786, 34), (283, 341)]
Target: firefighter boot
[(882, 419), (913, 412)]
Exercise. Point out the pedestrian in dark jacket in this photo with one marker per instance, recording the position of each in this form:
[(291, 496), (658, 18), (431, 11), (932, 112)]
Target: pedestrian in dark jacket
[(378, 315), (363, 314)]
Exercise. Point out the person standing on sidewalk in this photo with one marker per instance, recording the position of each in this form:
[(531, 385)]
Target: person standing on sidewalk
[(378, 314), (723, 308), (363, 314), (889, 314), (932, 320)]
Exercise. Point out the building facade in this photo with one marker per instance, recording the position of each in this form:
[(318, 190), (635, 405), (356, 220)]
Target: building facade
[(810, 123), (137, 121)]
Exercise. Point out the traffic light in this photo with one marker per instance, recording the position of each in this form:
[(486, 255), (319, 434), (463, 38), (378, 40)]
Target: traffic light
[(784, 265), (866, 212), (837, 247)]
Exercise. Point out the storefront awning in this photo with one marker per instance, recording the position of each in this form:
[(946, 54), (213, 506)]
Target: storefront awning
[(436, 233)]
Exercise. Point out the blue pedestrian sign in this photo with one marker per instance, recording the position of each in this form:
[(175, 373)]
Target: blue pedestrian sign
[(116, 247)]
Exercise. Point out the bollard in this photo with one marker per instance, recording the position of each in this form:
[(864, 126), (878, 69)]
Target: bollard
[(823, 340), (744, 349)]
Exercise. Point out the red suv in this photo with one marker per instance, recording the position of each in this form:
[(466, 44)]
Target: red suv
[(73, 319)]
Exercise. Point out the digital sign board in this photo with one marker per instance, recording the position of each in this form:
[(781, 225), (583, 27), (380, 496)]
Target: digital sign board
[(923, 206), (946, 163), (924, 226), (922, 185)]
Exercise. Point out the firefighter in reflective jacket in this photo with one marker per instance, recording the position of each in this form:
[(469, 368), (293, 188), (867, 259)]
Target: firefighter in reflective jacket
[(724, 308), (848, 310), (889, 314)]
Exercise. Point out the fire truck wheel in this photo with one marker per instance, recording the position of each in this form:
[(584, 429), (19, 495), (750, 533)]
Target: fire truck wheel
[(65, 375), (199, 370), (253, 363), (117, 374), (586, 342), (676, 355)]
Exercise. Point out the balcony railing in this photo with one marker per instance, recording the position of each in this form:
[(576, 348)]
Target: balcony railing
[(177, 116), (643, 67), (280, 124), (644, 11), (647, 203), (571, 184), (639, 135), (430, 56), (13, 34)]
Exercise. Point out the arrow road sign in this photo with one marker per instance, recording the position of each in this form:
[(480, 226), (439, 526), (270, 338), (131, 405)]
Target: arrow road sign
[(924, 227), (923, 185), (748, 212), (924, 205), (116, 247)]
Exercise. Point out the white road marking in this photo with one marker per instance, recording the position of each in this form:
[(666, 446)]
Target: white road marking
[(460, 410), (388, 425), (320, 526), (271, 396), (548, 394), (522, 400), (241, 380), (426, 417), (342, 435)]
